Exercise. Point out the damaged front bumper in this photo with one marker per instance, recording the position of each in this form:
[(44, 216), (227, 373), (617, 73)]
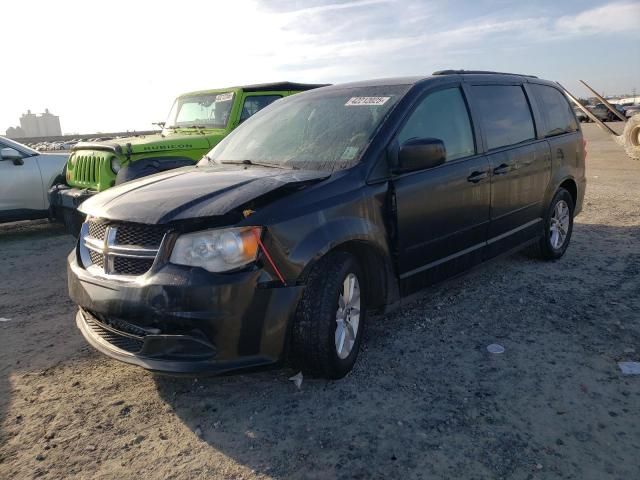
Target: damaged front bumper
[(181, 320)]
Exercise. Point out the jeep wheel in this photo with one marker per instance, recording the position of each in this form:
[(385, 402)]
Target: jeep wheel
[(328, 327), (631, 137), (558, 226)]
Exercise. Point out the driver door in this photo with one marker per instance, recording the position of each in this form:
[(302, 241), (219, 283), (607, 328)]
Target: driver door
[(442, 212), (20, 185)]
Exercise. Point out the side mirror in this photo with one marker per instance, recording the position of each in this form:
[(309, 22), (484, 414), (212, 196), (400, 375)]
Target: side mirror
[(420, 154), (11, 154)]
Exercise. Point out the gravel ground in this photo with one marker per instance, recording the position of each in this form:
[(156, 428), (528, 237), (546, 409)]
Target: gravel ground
[(426, 399)]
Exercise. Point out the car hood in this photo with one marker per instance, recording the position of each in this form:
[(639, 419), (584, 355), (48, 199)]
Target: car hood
[(184, 140), (192, 192)]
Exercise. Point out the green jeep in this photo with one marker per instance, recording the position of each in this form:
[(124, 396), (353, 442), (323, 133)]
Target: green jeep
[(196, 123)]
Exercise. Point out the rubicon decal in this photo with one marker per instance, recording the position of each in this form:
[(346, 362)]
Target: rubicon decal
[(167, 147)]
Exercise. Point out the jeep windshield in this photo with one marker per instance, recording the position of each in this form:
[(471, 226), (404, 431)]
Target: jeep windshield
[(211, 110), (325, 129)]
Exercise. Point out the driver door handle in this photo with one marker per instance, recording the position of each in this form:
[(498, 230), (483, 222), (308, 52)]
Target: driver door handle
[(475, 177)]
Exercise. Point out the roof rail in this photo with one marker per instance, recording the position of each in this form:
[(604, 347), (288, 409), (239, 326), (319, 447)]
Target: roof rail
[(477, 72)]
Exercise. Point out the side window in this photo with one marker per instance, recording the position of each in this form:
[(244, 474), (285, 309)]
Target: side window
[(442, 114), (254, 104), (506, 116), (556, 108)]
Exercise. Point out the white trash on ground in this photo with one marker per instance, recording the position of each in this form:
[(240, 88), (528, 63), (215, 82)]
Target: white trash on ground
[(495, 348), (629, 368), (297, 379)]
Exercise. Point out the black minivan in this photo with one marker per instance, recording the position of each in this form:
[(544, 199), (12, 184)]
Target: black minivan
[(322, 208)]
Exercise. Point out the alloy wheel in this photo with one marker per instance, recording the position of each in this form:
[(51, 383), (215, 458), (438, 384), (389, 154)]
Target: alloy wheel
[(347, 316), (560, 222)]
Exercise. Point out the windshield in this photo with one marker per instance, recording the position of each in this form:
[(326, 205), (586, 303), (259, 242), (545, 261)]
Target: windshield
[(211, 110), (318, 130)]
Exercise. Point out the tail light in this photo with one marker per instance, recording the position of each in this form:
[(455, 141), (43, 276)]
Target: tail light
[(584, 147)]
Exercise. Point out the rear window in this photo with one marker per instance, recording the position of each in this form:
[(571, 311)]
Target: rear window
[(505, 113), (556, 109), (255, 103)]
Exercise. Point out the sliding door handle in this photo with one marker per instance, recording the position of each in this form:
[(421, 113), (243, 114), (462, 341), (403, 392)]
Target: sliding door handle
[(502, 169)]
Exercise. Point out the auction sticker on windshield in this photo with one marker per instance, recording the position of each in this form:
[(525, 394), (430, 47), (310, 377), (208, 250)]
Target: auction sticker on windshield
[(224, 97), (357, 101)]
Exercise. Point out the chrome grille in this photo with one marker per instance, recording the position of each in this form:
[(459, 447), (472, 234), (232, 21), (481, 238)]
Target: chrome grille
[(119, 249)]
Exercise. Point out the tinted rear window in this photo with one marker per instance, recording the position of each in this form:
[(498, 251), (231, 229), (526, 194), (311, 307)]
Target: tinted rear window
[(556, 109), (505, 114)]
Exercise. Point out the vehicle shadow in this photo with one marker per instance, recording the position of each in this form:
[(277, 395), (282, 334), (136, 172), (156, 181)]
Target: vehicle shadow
[(426, 398)]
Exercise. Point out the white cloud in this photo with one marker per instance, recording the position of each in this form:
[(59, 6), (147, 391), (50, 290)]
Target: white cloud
[(611, 18)]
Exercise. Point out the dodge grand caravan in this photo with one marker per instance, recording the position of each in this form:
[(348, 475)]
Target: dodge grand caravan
[(322, 208)]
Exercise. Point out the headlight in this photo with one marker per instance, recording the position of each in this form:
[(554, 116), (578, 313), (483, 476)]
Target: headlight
[(217, 250), (115, 165)]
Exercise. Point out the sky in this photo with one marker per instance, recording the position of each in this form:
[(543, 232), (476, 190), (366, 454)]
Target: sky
[(117, 65)]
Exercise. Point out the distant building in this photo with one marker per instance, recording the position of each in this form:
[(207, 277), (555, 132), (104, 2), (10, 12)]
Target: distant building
[(36, 125), (15, 132)]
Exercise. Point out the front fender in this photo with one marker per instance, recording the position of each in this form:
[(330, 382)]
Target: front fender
[(329, 236)]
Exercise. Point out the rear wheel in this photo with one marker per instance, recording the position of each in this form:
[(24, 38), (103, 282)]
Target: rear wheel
[(558, 226), (328, 327)]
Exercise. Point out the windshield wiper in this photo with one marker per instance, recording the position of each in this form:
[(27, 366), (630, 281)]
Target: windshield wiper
[(258, 164)]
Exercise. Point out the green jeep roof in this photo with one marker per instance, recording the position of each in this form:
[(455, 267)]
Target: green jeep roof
[(263, 87)]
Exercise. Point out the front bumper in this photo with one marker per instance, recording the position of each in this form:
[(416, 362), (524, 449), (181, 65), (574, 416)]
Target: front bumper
[(181, 320), (64, 196)]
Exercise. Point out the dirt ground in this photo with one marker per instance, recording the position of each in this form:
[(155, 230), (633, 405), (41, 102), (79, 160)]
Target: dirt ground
[(426, 399)]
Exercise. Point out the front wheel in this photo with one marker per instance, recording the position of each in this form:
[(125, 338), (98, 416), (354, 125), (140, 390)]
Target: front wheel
[(329, 323), (558, 226)]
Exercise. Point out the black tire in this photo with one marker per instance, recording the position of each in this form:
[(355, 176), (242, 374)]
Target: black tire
[(631, 137), (544, 248), (313, 348)]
